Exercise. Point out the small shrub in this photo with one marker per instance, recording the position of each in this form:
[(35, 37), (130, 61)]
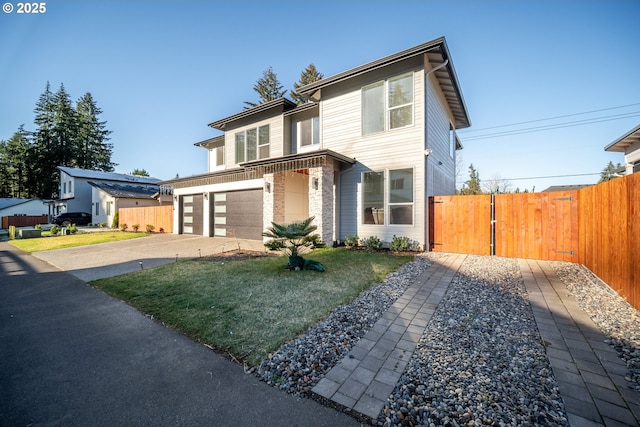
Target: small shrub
[(372, 243), (72, 229), (38, 226), (150, 228), (316, 241), (116, 221), (123, 227), (55, 230), (102, 225), (351, 241), (400, 244), (135, 227)]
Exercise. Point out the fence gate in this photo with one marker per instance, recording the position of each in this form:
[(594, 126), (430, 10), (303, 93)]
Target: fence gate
[(523, 225)]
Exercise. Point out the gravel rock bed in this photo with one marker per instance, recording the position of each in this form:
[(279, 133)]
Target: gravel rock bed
[(298, 365), (615, 317), (481, 360)]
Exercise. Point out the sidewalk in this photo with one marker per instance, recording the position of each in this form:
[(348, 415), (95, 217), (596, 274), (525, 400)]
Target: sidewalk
[(589, 373)]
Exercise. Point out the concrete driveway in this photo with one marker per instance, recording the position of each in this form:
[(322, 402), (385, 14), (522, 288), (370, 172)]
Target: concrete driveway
[(73, 356), (112, 259)]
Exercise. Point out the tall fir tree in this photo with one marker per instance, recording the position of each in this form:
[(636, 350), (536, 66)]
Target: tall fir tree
[(14, 180), (41, 166), (308, 76), (94, 149), (268, 88)]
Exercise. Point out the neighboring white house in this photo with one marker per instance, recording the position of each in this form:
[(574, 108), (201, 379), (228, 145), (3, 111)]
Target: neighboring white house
[(629, 144), (362, 156), (11, 207), (77, 190)]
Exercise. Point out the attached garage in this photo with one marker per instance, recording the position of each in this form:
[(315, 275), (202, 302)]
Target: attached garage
[(237, 214)]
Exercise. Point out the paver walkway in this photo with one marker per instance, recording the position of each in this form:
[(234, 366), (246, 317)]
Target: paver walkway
[(365, 378), (589, 372)]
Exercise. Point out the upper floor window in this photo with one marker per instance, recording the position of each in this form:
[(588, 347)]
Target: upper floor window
[(388, 104), (252, 144), (309, 132), (218, 154)]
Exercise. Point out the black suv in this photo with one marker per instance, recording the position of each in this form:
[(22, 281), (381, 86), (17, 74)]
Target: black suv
[(68, 218)]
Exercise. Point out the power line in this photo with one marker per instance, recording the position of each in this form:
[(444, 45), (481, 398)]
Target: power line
[(556, 126), (537, 177), (465, 131)]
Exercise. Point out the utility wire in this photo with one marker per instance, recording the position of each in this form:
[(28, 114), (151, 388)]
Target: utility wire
[(555, 126), (465, 131)]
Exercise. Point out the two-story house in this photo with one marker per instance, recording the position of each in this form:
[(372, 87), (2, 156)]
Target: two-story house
[(102, 193), (362, 155)]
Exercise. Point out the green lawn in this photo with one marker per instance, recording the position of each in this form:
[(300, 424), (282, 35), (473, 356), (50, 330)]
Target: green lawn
[(79, 239), (250, 307)]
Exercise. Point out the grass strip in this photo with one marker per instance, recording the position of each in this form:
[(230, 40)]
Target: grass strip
[(249, 307), (73, 240)]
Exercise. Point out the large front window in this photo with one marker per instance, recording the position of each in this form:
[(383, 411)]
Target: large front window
[(387, 197), (387, 105), (252, 144)]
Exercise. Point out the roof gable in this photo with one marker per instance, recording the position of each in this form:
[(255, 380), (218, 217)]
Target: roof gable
[(625, 141), (438, 55)]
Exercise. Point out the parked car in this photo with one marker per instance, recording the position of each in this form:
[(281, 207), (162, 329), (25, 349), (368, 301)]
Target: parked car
[(68, 218)]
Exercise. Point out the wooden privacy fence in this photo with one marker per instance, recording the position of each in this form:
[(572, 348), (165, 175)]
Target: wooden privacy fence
[(161, 217), (24, 220), (597, 226)]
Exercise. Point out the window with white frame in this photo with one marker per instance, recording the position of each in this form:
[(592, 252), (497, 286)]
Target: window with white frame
[(388, 197), (219, 155), (252, 144), (387, 104), (309, 132)]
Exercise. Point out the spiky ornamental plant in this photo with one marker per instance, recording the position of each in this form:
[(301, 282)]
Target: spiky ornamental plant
[(294, 238)]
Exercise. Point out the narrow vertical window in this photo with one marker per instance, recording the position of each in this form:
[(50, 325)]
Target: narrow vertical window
[(263, 142), (219, 155), (373, 108), (240, 147), (373, 198), (401, 196), (400, 101), (252, 144)]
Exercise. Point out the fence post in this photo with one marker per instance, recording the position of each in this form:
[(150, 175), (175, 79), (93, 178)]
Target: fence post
[(492, 232)]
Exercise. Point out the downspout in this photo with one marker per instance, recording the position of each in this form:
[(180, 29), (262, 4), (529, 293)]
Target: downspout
[(339, 195), (427, 151)]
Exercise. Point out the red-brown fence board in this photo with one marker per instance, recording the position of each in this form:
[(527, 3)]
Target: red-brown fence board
[(161, 217), (598, 226), (24, 220)]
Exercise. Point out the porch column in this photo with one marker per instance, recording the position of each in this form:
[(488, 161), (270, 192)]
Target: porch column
[(321, 203), (273, 199)]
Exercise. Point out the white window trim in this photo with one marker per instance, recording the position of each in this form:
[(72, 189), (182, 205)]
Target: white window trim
[(386, 196), (245, 141), (311, 147), (387, 109)]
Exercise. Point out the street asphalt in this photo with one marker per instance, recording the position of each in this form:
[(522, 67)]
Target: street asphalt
[(71, 355)]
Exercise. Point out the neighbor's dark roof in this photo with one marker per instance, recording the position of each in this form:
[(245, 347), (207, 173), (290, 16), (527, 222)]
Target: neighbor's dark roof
[(625, 141), (7, 202), (565, 187), (437, 52), (107, 176), (127, 191)]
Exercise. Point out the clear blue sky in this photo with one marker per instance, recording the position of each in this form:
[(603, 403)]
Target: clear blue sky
[(162, 70)]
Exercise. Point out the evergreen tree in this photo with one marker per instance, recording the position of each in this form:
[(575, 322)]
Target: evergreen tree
[(268, 88), (41, 166), (472, 185), (14, 180), (94, 151), (610, 172), (308, 76)]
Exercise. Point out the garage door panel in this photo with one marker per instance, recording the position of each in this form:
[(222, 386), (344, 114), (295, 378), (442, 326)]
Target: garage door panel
[(239, 213)]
